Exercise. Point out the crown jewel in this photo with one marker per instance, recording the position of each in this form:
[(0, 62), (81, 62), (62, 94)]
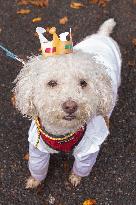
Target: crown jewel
[(59, 45)]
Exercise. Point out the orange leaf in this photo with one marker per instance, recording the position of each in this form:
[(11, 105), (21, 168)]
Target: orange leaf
[(23, 11), (94, 1), (13, 100), (38, 3), (102, 3), (36, 34), (89, 202), (63, 20), (134, 41), (26, 157), (75, 5), (38, 19)]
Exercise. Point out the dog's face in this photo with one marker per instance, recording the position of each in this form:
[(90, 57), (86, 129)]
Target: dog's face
[(64, 91)]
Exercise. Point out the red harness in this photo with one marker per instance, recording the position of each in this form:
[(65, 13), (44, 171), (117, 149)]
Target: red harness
[(65, 145)]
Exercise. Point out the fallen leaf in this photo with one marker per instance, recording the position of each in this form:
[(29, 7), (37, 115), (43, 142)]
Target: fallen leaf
[(36, 34), (63, 20), (134, 41), (94, 1), (38, 3), (26, 157), (38, 19), (102, 3), (89, 202), (13, 100), (23, 11), (75, 5)]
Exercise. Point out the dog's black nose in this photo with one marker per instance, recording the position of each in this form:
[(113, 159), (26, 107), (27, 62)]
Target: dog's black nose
[(69, 106)]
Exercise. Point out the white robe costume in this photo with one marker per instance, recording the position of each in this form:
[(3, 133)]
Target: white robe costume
[(107, 52)]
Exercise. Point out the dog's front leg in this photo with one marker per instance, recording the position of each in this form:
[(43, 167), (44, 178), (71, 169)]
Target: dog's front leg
[(82, 167), (38, 166)]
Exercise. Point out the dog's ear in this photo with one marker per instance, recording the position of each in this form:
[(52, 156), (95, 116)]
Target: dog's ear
[(105, 94), (24, 91)]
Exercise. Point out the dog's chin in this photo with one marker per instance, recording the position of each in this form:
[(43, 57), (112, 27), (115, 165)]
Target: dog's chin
[(72, 122), (69, 117)]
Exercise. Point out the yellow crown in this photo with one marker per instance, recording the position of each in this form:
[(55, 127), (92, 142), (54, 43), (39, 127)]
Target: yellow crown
[(58, 45)]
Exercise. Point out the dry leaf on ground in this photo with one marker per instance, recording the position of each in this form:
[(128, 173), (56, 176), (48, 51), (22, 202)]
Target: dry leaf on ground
[(36, 34), (75, 5), (26, 157), (89, 202), (63, 20), (94, 1), (23, 11), (13, 100), (38, 3), (102, 3), (38, 19), (134, 41)]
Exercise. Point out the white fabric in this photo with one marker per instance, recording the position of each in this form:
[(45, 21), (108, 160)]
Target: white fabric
[(83, 166), (107, 52), (38, 163)]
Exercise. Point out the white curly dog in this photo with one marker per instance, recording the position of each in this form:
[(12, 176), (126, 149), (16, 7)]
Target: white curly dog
[(72, 95)]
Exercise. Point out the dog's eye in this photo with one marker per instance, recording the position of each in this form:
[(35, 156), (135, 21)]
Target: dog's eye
[(83, 83), (52, 83)]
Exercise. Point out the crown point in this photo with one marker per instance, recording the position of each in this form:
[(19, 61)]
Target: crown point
[(52, 30)]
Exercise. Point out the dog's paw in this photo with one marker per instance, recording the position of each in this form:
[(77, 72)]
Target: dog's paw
[(74, 179), (32, 183)]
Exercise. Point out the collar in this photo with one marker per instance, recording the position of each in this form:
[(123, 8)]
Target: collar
[(64, 143), (54, 137)]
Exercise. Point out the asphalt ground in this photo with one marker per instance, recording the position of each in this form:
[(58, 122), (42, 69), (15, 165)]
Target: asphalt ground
[(113, 178)]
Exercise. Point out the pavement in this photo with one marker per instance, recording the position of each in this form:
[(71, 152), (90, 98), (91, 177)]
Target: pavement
[(113, 179)]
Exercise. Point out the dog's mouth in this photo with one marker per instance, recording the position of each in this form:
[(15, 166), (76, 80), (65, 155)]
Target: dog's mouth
[(69, 117)]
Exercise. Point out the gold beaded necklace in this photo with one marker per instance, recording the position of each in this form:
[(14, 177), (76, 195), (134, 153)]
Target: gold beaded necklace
[(52, 138)]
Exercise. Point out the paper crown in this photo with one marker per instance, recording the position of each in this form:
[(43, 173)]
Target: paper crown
[(58, 45)]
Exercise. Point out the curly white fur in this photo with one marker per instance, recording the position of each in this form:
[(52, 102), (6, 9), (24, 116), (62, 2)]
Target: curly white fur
[(35, 98)]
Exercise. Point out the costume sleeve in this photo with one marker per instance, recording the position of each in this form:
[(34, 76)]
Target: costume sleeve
[(38, 163), (83, 167), (95, 134)]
